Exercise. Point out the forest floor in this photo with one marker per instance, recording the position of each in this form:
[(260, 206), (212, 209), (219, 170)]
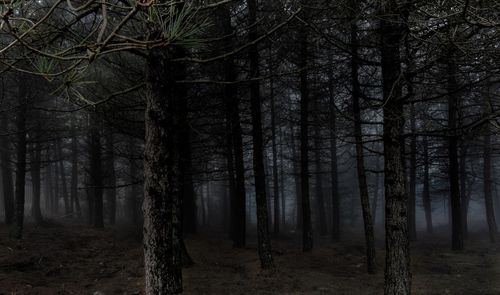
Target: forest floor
[(78, 260)]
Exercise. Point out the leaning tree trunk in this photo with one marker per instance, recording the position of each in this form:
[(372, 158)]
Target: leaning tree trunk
[(397, 271), (162, 244), (358, 137), (264, 241), (7, 181)]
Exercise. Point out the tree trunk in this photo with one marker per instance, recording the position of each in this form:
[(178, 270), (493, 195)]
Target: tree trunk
[(426, 195), (162, 185), (307, 235), (463, 188), (111, 178), (488, 187), (74, 170), (455, 202), (21, 160), (358, 136), (320, 201), (62, 173), (276, 191), (413, 177), (264, 242), (333, 160), (397, 272), (95, 171), (35, 160), (7, 181)]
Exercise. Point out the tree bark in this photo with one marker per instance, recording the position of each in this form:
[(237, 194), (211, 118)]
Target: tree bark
[(7, 181), (276, 191), (307, 235), (413, 177), (74, 170), (95, 172), (21, 159), (488, 187), (162, 185), (397, 272), (110, 176), (264, 242), (426, 195), (358, 137), (333, 160), (62, 173), (35, 160), (455, 201)]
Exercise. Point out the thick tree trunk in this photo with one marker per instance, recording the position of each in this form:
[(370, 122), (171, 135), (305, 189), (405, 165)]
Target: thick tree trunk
[(307, 235), (7, 181), (397, 272), (21, 160), (162, 186), (426, 194), (358, 137), (264, 242), (455, 201)]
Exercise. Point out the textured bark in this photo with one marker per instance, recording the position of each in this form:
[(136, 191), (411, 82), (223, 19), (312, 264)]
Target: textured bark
[(426, 195), (397, 271), (264, 242), (457, 237), (21, 160), (360, 162), (162, 187), (7, 181), (307, 235)]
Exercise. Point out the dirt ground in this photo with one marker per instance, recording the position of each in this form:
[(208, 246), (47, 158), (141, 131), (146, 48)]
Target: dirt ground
[(78, 260)]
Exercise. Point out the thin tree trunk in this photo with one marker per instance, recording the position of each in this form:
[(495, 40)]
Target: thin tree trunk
[(111, 178), (463, 188), (21, 160), (426, 195), (35, 160), (333, 160), (264, 242), (455, 202), (307, 235), (413, 177), (276, 191), (358, 136), (7, 181), (74, 170), (95, 171), (62, 173), (320, 201), (488, 187)]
